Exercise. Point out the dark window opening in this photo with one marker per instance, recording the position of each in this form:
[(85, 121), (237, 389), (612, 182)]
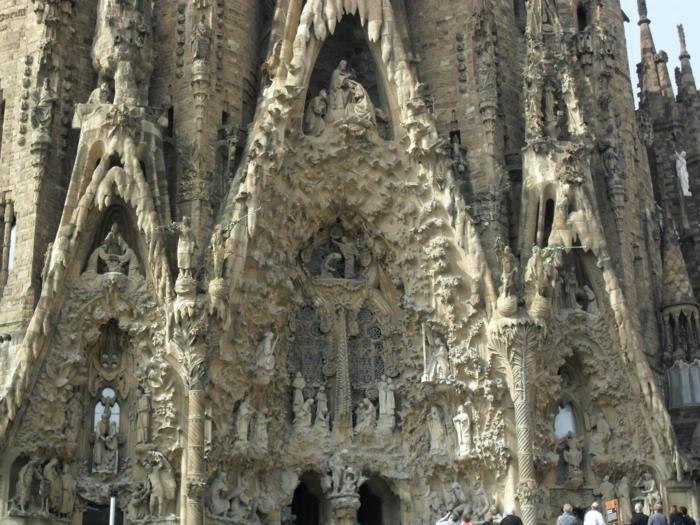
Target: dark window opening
[(370, 511), (548, 221), (582, 17), (13, 246), (305, 507), (170, 131), (99, 515), (2, 122)]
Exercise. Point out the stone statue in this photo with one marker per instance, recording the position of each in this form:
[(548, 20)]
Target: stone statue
[(650, 494), (68, 492), (600, 437), (339, 90), (143, 418), (138, 501), (24, 491), (53, 481), (100, 95), (571, 289), (300, 406), (217, 248), (682, 172), (161, 478), (42, 114), (321, 421), (623, 494), (365, 418), (114, 256), (436, 430), (260, 434), (105, 450), (606, 489), (387, 405), (315, 116), (201, 41), (349, 251), (439, 363), (265, 360), (573, 457), (243, 417), (536, 274), (186, 248), (219, 494), (509, 269), (463, 425)]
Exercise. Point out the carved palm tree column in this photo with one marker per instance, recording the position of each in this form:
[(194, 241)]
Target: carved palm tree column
[(518, 340), (344, 507), (196, 475)]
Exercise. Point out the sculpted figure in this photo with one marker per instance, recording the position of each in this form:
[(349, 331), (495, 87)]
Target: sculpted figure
[(53, 482), (260, 434), (315, 116), (265, 362), (68, 488), (186, 247), (321, 421), (201, 41), (300, 406), (339, 90), (573, 457), (436, 429), (217, 248), (138, 500), (623, 494), (42, 114), (387, 405), (114, 255), (536, 273), (100, 95), (682, 172), (606, 489), (650, 494), (24, 492), (219, 494), (439, 364), (571, 289), (365, 418), (348, 248), (143, 418), (161, 477), (101, 454), (362, 106), (463, 425), (481, 503), (509, 269), (243, 417), (600, 437)]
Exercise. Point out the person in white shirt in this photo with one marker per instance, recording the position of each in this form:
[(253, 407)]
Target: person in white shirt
[(593, 516)]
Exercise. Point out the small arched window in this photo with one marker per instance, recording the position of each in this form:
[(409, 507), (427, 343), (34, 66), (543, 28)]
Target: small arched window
[(582, 18), (13, 245)]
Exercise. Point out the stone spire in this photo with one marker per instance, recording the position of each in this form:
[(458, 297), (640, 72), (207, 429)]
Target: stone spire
[(677, 287), (648, 76), (684, 75)]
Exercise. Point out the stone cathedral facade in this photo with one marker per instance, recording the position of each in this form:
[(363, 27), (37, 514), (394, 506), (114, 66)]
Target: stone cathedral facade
[(343, 261)]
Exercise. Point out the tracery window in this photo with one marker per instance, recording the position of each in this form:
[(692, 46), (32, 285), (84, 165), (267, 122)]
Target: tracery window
[(310, 346), (366, 350)]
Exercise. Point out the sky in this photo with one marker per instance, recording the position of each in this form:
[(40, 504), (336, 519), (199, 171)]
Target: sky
[(665, 15)]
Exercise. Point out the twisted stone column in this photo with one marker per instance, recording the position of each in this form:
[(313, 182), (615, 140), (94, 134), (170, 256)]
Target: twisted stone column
[(196, 478), (517, 341), (342, 417)]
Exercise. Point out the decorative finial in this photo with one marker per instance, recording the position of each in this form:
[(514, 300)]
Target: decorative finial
[(642, 8), (681, 37)]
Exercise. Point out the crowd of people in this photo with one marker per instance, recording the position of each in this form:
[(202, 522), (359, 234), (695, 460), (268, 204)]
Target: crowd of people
[(677, 516)]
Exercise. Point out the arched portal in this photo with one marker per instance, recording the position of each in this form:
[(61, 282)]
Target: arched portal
[(378, 504), (308, 504)]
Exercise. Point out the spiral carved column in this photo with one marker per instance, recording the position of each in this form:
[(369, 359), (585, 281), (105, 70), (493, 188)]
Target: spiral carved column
[(196, 478)]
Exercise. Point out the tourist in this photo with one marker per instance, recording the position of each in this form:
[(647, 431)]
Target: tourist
[(488, 519), (687, 520), (638, 517), (567, 517), (675, 517), (658, 517), (466, 518), (594, 517), (509, 518)]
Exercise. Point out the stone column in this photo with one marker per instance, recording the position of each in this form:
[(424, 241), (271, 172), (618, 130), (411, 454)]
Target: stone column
[(344, 508), (342, 417), (6, 237), (195, 458), (517, 340)]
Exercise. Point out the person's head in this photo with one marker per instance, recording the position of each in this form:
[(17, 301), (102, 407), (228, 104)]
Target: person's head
[(466, 516), (508, 511), (674, 509), (488, 518), (684, 510), (638, 507), (595, 505), (658, 507), (567, 507)]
